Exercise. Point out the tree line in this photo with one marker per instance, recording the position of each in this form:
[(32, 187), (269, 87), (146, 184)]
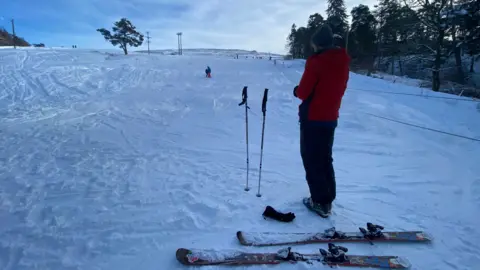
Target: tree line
[(412, 37), (7, 39)]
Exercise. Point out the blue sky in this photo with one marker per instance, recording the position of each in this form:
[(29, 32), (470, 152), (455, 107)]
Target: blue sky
[(261, 25)]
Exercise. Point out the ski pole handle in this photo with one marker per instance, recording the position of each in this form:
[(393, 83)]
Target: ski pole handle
[(264, 102), (244, 96)]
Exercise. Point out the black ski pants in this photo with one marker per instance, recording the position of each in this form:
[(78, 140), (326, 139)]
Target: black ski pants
[(316, 143)]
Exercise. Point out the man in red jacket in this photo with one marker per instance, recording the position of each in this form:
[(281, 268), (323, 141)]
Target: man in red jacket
[(321, 90)]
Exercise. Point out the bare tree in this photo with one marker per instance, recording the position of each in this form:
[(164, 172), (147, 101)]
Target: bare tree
[(430, 14)]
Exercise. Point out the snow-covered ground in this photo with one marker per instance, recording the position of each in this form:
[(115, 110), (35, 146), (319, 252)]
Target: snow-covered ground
[(215, 52), (114, 162)]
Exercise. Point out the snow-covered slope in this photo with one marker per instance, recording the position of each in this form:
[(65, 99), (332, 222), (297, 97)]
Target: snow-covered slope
[(113, 162)]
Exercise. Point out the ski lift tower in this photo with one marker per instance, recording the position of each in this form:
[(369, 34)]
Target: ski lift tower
[(180, 49)]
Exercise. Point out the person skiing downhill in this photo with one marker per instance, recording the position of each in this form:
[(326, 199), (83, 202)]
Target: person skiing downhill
[(321, 90)]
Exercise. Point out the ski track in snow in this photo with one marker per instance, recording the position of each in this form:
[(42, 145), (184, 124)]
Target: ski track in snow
[(114, 162)]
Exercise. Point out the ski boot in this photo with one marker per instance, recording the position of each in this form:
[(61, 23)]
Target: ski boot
[(332, 233), (334, 253), (329, 206), (321, 209)]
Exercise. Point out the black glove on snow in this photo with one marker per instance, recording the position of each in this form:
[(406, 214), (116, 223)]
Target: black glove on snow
[(295, 91), (272, 213)]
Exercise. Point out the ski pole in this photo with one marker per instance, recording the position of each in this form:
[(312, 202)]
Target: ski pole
[(264, 110), (245, 102)]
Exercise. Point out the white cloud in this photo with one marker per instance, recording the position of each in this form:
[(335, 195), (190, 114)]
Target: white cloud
[(241, 24), (261, 25), (246, 24)]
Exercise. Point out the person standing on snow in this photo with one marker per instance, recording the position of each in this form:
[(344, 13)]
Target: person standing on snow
[(208, 72), (321, 90)]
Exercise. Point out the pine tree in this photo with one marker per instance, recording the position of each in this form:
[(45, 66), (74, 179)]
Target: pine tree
[(398, 31), (314, 22), (471, 30), (124, 34), (291, 42), (362, 36), (299, 39), (464, 16), (387, 14), (430, 15), (302, 42), (337, 16)]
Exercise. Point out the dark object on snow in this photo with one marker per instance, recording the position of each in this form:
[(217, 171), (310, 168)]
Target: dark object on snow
[(272, 213), (295, 91), (208, 72)]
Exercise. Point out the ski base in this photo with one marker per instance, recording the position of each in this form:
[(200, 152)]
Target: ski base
[(201, 257)]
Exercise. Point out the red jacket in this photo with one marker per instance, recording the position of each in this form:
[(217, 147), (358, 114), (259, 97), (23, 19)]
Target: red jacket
[(323, 84)]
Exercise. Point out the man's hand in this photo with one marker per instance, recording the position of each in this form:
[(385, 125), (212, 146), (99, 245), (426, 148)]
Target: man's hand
[(295, 91)]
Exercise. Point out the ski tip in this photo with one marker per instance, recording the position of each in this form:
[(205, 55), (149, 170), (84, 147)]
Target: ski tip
[(181, 255), (241, 239), (427, 237), (400, 263)]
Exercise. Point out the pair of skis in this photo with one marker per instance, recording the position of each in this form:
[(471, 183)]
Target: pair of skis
[(335, 255)]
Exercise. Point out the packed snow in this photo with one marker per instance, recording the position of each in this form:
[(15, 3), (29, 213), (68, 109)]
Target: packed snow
[(113, 162)]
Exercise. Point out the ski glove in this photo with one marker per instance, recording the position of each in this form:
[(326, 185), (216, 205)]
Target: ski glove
[(274, 214), (295, 91)]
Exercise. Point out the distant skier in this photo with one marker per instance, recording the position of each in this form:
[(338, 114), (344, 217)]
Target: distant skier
[(321, 90), (208, 72)]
